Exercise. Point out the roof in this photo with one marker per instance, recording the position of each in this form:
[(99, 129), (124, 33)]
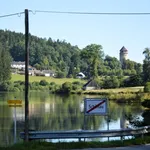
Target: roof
[(18, 63), (123, 49), (91, 83), (48, 71)]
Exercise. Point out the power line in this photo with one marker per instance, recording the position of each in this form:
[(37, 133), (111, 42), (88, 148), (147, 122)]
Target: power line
[(77, 13), (90, 13), (15, 14)]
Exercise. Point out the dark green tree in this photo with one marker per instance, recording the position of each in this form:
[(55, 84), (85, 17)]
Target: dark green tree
[(5, 63), (135, 80), (147, 87), (146, 65), (93, 55)]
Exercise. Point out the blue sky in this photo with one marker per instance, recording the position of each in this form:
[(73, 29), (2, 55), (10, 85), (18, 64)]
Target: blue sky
[(112, 32)]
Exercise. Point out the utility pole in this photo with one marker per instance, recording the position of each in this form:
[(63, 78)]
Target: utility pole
[(26, 75)]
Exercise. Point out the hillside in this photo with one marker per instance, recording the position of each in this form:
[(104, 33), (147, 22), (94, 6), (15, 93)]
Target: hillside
[(65, 59)]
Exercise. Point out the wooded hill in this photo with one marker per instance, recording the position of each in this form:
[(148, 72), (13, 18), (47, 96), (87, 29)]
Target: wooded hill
[(65, 59)]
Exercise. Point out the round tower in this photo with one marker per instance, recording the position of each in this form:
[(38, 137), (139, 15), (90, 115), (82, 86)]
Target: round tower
[(123, 54)]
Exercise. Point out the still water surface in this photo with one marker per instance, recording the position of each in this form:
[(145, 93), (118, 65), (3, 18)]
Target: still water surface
[(57, 112)]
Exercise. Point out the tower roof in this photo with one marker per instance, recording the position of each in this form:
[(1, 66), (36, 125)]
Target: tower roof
[(123, 49)]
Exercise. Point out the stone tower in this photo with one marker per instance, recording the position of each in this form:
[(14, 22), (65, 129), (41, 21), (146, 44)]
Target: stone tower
[(123, 54)]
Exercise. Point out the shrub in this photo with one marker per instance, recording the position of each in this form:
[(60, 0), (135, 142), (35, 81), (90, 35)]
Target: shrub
[(52, 83), (60, 75), (4, 86), (146, 103), (43, 83), (75, 87), (67, 87), (147, 87), (35, 83)]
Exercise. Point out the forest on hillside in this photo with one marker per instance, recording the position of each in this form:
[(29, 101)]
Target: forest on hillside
[(65, 59)]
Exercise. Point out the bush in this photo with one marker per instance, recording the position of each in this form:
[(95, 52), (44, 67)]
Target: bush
[(76, 87), (111, 82), (43, 83), (4, 86), (35, 83), (147, 87), (34, 86), (135, 80), (66, 87), (146, 103), (76, 82), (52, 83), (60, 74)]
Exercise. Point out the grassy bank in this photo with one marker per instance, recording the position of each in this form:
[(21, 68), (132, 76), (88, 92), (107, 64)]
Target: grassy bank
[(75, 145), (117, 90), (59, 81), (123, 95)]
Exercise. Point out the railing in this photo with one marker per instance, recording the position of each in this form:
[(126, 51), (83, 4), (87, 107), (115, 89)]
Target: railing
[(33, 135)]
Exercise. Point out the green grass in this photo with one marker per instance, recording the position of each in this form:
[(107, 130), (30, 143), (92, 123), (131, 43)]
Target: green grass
[(117, 90), (75, 145), (121, 95), (59, 81)]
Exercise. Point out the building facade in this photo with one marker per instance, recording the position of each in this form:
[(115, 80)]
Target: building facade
[(18, 65)]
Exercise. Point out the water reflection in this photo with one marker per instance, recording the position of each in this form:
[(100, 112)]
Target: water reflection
[(57, 112)]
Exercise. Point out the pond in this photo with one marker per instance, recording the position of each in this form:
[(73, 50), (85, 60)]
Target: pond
[(58, 112)]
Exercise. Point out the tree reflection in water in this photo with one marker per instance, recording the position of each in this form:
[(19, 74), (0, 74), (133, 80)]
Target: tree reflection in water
[(57, 112)]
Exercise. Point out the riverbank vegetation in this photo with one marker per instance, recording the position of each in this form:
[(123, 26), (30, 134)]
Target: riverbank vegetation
[(66, 61), (120, 95), (76, 145), (75, 86)]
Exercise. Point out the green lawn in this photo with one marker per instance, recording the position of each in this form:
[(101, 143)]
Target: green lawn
[(16, 77)]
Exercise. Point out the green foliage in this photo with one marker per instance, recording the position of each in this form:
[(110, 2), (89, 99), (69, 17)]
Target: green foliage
[(146, 65), (5, 61), (12, 86), (146, 103), (112, 62), (131, 68), (35, 83), (135, 80), (4, 86), (43, 83), (60, 74), (111, 82), (76, 86), (53, 87), (66, 87), (52, 83), (66, 60), (93, 55), (147, 87)]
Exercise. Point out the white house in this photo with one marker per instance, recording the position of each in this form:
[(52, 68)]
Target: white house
[(48, 73), (18, 64)]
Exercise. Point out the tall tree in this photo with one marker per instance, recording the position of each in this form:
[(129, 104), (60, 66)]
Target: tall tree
[(5, 63), (93, 54), (146, 65)]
